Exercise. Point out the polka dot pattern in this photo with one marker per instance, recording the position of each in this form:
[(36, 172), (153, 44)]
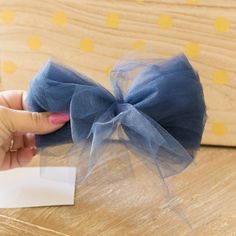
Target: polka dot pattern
[(108, 70), (7, 16), (192, 2), (222, 24), (113, 20), (219, 129), (87, 45), (165, 21), (192, 49), (34, 43), (9, 67), (221, 77), (59, 18), (138, 44)]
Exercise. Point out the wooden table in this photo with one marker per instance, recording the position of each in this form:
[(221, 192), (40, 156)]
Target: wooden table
[(205, 193), (92, 36)]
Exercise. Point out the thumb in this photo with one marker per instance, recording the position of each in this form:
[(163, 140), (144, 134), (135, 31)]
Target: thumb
[(32, 122)]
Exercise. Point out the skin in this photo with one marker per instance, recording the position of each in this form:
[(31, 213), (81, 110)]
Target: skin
[(20, 125)]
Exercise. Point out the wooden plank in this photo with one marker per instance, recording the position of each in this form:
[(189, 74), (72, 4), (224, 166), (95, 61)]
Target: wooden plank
[(134, 205), (15, 227), (91, 36)]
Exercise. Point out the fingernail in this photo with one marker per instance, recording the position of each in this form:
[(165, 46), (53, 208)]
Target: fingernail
[(59, 118), (33, 150)]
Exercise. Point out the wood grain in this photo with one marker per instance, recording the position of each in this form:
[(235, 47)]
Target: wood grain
[(204, 193), (14, 227), (138, 21)]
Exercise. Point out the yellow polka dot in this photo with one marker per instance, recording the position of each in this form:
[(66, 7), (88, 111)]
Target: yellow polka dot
[(9, 67), (59, 18), (87, 45), (138, 44), (113, 20), (192, 49), (192, 2), (34, 42), (108, 70), (219, 128), (165, 21), (220, 77), (7, 16), (222, 24)]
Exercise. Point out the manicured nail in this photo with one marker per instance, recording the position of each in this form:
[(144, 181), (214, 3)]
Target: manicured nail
[(59, 118), (33, 150)]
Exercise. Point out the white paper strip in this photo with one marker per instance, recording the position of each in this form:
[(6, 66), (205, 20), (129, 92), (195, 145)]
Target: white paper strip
[(24, 187)]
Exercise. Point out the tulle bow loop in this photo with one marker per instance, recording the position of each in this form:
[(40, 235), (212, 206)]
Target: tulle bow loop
[(157, 110)]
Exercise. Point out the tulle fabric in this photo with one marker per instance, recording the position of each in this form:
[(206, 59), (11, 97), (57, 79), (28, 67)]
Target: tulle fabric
[(156, 111)]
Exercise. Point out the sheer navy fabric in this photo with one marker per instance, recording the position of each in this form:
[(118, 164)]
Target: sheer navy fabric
[(157, 110)]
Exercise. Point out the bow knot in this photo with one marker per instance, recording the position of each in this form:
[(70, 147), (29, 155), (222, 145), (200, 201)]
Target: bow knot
[(158, 106), (121, 107)]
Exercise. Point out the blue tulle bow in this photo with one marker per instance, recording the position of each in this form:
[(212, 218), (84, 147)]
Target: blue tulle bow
[(157, 109)]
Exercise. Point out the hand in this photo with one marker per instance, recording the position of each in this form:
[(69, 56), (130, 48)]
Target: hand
[(18, 126)]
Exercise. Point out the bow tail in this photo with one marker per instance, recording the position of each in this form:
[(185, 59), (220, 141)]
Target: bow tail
[(158, 150), (108, 160)]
